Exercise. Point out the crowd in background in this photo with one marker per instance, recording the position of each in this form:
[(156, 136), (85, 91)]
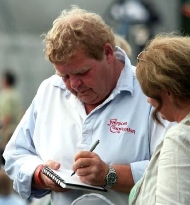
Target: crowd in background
[(136, 19)]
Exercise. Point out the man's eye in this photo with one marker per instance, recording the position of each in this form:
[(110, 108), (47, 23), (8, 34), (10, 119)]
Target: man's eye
[(85, 73), (66, 77)]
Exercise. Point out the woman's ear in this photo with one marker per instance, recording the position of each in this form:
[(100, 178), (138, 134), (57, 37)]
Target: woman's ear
[(166, 94), (169, 95)]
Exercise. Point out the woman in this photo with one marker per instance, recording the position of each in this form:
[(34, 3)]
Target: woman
[(163, 71)]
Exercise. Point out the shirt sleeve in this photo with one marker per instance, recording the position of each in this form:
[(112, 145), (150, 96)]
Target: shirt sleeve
[(173, 179), (21, 157)]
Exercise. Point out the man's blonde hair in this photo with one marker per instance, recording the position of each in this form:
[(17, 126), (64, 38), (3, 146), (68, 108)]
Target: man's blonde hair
[(77, 29)]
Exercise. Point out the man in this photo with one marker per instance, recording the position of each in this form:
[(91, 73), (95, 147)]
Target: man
[(94, 95)]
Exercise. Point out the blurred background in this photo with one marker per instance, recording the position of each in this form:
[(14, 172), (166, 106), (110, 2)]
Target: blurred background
[(22, 22), (23, 65)]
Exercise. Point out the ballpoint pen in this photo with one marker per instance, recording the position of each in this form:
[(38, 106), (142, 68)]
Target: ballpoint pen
[(91, 149)]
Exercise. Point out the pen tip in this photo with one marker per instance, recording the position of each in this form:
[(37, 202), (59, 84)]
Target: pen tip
[(72, 174)]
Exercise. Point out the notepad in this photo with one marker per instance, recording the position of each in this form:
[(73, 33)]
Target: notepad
[(63, 178)]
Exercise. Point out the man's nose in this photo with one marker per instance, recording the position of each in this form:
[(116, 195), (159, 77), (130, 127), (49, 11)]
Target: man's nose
[(75, 82)]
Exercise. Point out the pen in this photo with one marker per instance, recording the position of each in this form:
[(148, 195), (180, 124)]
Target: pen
[(91, 150)]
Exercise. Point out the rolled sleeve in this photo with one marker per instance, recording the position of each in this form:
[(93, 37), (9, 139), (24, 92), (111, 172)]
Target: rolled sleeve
[(138, 169)]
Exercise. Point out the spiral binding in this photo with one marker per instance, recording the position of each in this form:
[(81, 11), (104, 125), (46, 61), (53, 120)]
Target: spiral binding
[(52, 175)]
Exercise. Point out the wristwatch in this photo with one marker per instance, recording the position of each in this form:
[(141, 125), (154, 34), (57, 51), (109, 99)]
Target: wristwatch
[(111, 178)]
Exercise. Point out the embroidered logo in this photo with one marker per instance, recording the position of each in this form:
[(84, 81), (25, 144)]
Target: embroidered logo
[(117, 127)]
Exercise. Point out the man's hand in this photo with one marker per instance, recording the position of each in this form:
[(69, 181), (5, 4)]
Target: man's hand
[(90, 168), (45, 182)]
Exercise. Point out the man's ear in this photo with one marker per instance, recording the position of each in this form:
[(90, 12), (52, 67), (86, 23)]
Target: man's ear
[(109, 52)]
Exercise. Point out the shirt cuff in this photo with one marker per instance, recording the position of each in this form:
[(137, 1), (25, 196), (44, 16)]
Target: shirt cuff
[(23, 181)]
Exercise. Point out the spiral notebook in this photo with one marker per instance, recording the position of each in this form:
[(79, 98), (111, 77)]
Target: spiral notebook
[(63, 178)]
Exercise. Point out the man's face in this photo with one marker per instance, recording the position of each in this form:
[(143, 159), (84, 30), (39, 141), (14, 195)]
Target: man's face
[(89, 79)]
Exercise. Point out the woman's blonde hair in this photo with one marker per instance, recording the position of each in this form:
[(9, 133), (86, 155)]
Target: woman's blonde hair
[(165, 65), (77, 29)]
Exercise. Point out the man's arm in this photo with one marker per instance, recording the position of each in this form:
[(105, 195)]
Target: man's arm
[(92, 170), (21, 157), (125, 180)]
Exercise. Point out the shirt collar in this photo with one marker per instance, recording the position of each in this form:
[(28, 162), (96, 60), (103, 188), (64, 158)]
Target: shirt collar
[(58, 82), (125, 81)]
